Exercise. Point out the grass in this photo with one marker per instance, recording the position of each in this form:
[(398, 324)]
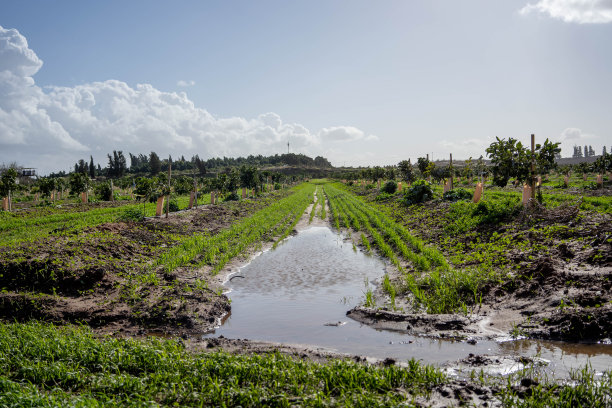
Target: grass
[(274, 222), (43, 365), (31, 225), (435, 285)]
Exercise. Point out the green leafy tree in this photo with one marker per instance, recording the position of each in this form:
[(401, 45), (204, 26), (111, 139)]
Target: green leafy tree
[(422, 164), (46, 185), (248, 177), (8, 182), (406, 171), (510, 159), (79, 183)]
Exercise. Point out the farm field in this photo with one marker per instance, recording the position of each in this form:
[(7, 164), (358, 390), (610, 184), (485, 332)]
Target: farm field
[(451, 265)]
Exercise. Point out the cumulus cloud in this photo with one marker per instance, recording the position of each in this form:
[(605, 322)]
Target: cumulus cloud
[(185, 84), (575, 135), (573, 11), (53, 128), (344, 134)]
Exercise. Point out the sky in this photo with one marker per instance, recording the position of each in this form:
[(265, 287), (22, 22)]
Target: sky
[(358, 82)]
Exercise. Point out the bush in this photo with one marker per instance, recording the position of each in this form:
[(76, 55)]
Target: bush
[(457, 194), (390, 187), (277, 186), (384, 196), (103, 191), (233, 196), (369, 186), (419, 193), (173, 206), (131, 214), (494, 212)]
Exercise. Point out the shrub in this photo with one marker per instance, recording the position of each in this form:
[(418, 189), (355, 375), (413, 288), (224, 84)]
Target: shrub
[(233, 196), (103, 191), (131, 214), (390, 187), (384, 196), (173, 206), (494, 212), (369, 186), (457, 194), (277, 186), (419, 192)]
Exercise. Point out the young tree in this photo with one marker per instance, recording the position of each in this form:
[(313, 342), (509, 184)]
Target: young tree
[(511, 160), (46, 185), (248, 176), (79, 183), (8, 182)]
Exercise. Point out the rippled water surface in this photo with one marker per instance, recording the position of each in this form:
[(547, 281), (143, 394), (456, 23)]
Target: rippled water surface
[(294, 293)]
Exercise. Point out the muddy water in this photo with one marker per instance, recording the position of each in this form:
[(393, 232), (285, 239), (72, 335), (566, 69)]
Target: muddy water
[(300, 292)]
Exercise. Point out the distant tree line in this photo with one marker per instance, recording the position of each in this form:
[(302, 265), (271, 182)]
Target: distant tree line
[(152, 164)]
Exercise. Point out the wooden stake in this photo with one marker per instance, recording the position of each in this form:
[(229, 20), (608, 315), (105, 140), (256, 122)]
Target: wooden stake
[(84, 197), (191, 199), (600, 180), (212, 197), (451, 172), (169, 175), (159, 208), (112, 197), (5, 206), (478, 193), (526, 195), (533, 166), (243, 193)]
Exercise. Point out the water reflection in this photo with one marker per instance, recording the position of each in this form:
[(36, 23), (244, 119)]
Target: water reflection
[(298, 293)]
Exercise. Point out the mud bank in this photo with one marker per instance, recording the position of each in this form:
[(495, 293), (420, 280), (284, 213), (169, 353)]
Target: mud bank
[(102, 276)]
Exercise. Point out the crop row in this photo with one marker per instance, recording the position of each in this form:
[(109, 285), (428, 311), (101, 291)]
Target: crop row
[(15, 228), (273, 222), (435, 285)]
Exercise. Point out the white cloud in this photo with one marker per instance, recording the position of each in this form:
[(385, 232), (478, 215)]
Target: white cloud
[(574, 134), (52, 129), (185, 84), (344, 134), (573, 11)]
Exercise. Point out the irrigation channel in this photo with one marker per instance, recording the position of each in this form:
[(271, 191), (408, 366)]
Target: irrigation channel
[(299, 293)]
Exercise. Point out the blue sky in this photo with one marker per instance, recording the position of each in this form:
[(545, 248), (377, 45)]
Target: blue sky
[(359, 82)]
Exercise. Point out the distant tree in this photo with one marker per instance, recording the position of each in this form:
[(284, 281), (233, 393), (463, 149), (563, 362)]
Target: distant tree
[(200, 165), (117, 165), (92, 168), (82, 167), (468, 169), (603, 151), (586, 151), (422, 164), (320, 161), (377, 173), (154, 163), (577, 152), (406, 171)]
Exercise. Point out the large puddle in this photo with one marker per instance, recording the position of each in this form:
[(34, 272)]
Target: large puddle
[(300, 292)]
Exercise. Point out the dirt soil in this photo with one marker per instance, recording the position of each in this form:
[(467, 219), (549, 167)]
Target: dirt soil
[(104, 276), (560, 287)]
